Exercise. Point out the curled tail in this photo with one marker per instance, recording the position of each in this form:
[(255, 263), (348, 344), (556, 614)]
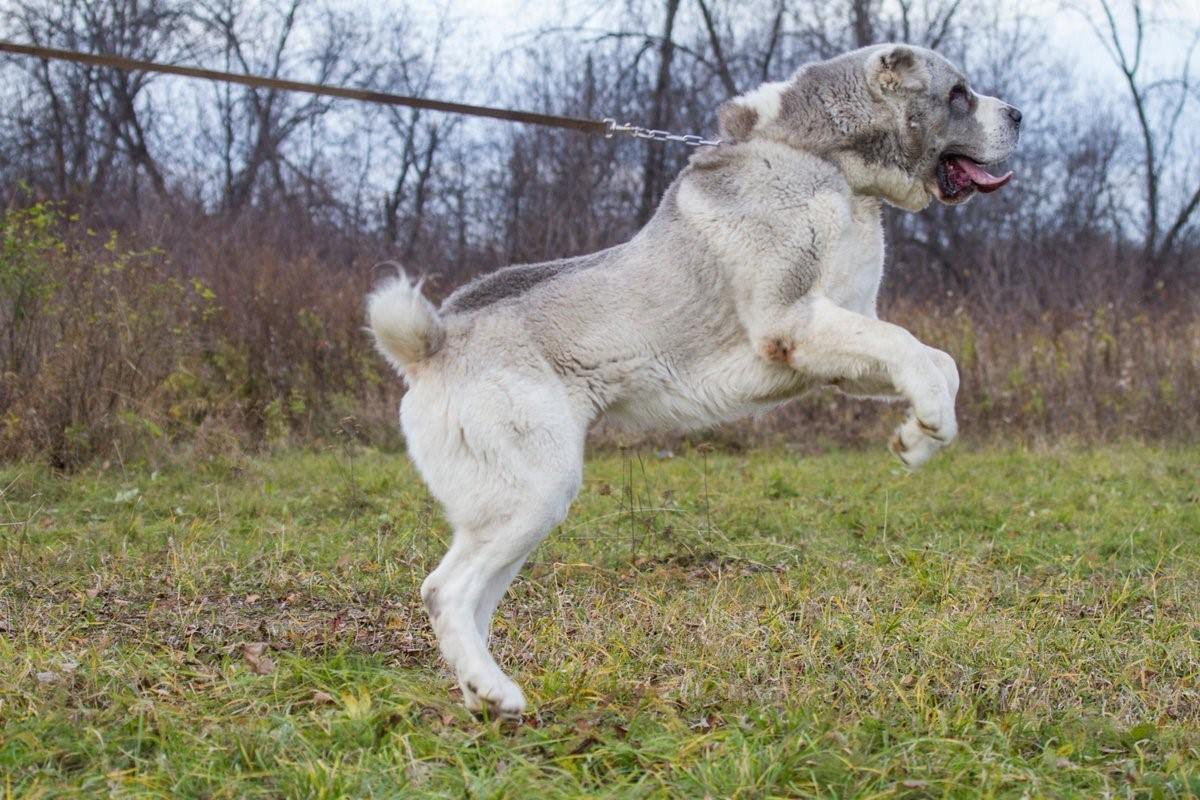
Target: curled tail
[(406, 326)]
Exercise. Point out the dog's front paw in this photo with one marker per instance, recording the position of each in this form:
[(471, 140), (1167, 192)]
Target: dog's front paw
[(945, 364), (916, 440), (496, 694)]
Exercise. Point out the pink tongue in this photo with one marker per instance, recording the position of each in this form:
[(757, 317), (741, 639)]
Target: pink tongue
[(983, 180)]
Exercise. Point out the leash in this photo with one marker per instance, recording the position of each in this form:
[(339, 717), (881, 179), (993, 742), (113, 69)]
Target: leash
[(606, 127)]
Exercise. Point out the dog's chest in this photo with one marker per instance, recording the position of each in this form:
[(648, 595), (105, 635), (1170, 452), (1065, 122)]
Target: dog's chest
[(852, 269)]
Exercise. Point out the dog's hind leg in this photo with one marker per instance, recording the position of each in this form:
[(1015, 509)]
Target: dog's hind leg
[(490, 598), (505, 472), (462, 593)]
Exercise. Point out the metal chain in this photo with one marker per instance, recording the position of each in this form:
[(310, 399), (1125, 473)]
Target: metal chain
[(611, 128)]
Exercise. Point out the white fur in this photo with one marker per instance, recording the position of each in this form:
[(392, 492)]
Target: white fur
[(890, 182), (503, 455), (765, 100), (1000, 138), (405, 324)]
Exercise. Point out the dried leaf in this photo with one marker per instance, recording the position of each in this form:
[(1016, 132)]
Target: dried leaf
[(262, 666), (257, 659), (587, 743)]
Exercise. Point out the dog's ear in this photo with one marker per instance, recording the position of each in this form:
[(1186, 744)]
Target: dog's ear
[(736, 119), (893, 69), (754, 109)]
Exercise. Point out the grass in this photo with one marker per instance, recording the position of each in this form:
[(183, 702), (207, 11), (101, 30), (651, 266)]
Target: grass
[(1004, 623)]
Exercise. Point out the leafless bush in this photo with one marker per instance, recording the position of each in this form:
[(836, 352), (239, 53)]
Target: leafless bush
[(112, 348), (96, 333)]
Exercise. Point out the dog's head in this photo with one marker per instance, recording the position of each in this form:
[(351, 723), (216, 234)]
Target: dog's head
[(901, 121)]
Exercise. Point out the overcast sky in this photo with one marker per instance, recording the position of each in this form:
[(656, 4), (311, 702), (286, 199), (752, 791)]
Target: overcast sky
[(491, 26)]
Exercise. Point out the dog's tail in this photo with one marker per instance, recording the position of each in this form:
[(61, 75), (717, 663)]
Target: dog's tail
[(406, 326)]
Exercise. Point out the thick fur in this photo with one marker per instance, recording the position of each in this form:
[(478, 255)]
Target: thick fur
[(756, 280), (405, 324)]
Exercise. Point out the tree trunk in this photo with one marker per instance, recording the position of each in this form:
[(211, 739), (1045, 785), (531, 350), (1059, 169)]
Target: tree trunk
[(654, 166), (862, 22)]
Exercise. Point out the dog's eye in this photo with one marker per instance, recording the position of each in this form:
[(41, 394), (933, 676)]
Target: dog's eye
[(960, 98)]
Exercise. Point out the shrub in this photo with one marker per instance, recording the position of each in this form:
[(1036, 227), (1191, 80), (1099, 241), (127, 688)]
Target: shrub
[(252, 335), (93, 331), (107, 349)]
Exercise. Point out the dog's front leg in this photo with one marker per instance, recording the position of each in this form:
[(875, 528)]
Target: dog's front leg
[(868, 355), (880, 387)]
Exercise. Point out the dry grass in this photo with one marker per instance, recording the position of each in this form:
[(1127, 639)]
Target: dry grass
[(113, 350), (1007, 623)]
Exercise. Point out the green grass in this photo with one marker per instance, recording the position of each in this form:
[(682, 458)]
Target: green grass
[(1004, 623)]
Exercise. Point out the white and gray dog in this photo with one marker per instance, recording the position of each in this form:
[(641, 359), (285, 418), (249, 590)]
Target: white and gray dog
[(755, 281)]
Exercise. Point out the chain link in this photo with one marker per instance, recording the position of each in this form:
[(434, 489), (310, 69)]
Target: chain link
[(611, 128)]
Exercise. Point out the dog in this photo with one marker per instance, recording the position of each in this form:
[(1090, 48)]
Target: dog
[(755, 280)]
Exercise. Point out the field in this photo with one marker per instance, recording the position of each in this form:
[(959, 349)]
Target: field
[(1005, 623)]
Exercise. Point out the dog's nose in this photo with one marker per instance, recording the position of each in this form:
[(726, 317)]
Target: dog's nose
[(1014, 114)]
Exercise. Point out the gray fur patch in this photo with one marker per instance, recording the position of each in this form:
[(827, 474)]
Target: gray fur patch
[(736, 120), (512, 282), (432, 606), (798, 281)]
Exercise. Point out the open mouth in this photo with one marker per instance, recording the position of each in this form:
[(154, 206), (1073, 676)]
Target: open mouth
[(959, 175)]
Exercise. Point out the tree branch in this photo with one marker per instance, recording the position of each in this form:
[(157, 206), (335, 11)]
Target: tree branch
[(714, 41)]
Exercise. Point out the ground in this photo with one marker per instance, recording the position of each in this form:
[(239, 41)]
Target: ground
[(1003, 623)]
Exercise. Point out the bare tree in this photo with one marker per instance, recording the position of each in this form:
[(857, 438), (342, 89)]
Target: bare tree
[(938, 17), (1157, 139), (96, 121), (653, 172), (412, 72), (256, 124), (425, 188), (714, 40), (863, 14)]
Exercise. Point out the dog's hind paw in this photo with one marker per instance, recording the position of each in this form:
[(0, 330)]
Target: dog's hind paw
[(497, 696)]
